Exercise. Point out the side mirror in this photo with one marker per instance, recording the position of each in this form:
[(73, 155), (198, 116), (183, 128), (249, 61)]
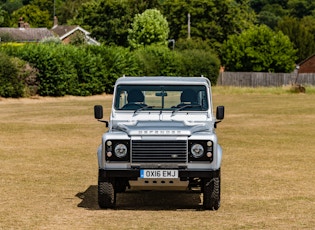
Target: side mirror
[(98, 112), (220, 112)]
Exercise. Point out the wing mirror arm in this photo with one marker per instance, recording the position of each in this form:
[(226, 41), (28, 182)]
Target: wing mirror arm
[(98, 114), (219, 115)]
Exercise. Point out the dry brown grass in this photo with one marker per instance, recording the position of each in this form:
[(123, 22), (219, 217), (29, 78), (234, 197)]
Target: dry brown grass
[(48, 168)]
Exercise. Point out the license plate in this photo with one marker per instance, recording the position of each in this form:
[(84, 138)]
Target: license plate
[(158, 173)]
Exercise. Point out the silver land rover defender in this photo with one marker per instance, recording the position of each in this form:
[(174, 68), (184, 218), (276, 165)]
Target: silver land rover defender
[(161, 136)]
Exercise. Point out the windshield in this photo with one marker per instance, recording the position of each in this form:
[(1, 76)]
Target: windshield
[(165, 97)]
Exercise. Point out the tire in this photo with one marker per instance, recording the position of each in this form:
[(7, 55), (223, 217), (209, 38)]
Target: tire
[(106, 195), (211, 193)]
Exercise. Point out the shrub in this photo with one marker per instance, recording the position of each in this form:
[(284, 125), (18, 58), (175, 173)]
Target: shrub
[(84, 70), (191, 44), (200, 62), (28, 75), (157, 61), (113, 63), (10, 83)]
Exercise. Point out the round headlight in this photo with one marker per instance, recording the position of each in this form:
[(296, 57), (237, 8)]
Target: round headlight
[(121, 150), (197, 150)]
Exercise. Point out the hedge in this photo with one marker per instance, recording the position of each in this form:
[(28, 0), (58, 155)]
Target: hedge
[(88, 70)]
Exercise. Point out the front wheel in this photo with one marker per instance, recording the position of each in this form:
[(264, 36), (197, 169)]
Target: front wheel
[(211, 193), (106, 195)]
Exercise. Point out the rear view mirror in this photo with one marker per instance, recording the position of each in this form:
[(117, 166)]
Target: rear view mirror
[(98, 112), (220, 112), (161, 94)]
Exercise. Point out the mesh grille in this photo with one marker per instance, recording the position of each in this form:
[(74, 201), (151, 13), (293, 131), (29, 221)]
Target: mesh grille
[(159, 151)]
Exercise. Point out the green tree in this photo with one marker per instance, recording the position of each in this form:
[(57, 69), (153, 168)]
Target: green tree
[(12, 5), (32, 15), (148, 28), (301, 8), (259, 49), (78, 39), (107, 20), (211, 20), (67, 10), (301, 33), (2, 15), (271, 14), (45, 5)]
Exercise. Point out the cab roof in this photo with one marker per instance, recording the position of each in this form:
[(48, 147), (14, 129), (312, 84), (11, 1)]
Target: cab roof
[(157, 80)]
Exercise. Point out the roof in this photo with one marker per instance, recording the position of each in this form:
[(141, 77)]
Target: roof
[(305, 60), (163, 80), (26, 34), (65, 31)]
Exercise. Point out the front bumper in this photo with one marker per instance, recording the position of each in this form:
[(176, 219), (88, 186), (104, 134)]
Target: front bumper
[(135, 173)]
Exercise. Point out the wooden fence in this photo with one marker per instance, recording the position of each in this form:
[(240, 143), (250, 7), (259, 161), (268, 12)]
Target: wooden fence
[(260, 79)]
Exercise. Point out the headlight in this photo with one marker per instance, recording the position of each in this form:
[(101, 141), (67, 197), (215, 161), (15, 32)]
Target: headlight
[(197, 150), (120, 150)]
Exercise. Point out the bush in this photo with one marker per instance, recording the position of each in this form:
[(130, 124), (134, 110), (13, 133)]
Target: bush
[(200, 62), (88, 70), (160, 61), (71, 70), (28, 75), (157, 61), (56, 72), (10, 83), (192, 44), (114, 62)]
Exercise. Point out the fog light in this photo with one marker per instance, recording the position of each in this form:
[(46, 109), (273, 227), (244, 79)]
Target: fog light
[(109, 154), (209, 154), (209, 143), (108, 143)]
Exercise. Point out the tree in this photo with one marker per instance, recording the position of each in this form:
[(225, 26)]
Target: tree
[(301, 8), (301, 33), (67, 10), (148, 28), (211, 20), (12, 5), (259, 49), (271, 14), (109, 20), (32, 15), (45, 5), (2, 15)]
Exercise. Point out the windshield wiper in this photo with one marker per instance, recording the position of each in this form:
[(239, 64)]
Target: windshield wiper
[(143, 108), (183, 107)]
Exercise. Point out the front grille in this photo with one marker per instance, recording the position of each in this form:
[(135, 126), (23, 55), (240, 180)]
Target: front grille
[(147, 151)]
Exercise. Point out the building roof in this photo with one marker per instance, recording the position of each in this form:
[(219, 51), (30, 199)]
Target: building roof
[(305, 60), (26, 34), (63, 31)]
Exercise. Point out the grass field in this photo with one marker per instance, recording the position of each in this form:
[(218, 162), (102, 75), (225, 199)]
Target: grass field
[(48, 167)]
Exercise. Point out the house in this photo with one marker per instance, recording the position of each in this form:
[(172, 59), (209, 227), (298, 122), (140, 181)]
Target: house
[(65, 33), (24, 33), (307, 65)]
